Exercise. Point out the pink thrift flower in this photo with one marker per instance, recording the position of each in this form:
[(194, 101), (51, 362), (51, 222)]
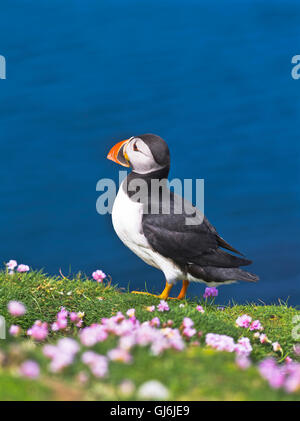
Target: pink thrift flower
[(292, 381), (16, 308), (210, 292), (263, 338), (68, 346), (243, 362), (200, 309), (155, 322), (243, 321), (243, 347), (61, 355), (23, 268), (220, 342), (276, 346), (97, 363), (292, 384), (163, 306), (55, 327), (256, 325), (30, 369), (49, 351), (11, 265), (89, 357), (187, 323), (273, 373), (150, 308), (39, 331), (189, 332), (14, 330), (73, 317), (126, 387), (131, 312), (98, 275), (62, 314), (296, 349), (119, 354), (93, 334), (62, 323)]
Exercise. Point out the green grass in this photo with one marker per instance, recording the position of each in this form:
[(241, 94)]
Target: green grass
[(197, 373)]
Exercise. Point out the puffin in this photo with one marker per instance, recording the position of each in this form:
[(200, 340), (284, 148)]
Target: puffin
[(165, 230)]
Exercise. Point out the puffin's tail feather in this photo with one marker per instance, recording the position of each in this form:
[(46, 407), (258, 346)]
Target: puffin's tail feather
[(215, 274), (225, 245)]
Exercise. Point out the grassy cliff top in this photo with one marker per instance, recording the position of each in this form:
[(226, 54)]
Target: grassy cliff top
[(195, 373)]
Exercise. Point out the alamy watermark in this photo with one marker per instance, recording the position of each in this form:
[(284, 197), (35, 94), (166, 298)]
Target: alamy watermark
[(296, 69), (2, 328), (2, 67), (296, 328), (157, 196)]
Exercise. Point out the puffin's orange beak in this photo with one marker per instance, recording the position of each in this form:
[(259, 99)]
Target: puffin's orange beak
[(118, 154)]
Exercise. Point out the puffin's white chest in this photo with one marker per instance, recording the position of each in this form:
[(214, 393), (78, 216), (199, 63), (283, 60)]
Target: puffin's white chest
[(127, 221)]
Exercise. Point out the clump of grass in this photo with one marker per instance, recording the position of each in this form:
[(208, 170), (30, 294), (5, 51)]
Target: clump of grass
[(196, 373)]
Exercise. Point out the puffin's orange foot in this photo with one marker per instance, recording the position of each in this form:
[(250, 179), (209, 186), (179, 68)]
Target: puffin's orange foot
[(163, 296), (154, 295), (145, 293)]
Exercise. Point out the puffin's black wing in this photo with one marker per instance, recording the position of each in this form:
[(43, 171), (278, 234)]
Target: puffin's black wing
[(180, 231), (193, 244), (170, 236)]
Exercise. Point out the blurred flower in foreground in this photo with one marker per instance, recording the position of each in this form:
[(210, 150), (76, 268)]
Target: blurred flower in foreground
[(296, 350), (226, 343), (243, 362), (277, 347), (14, 330), (131, 313), (16, 308), (39, 330), (153, 389), (126, 387), (30, 369), (97, 363)]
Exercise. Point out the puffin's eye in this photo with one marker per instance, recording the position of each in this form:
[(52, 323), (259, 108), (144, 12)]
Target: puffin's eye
[(135, 148)]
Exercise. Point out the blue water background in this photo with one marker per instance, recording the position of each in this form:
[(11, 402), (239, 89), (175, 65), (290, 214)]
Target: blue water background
[(211, 77)]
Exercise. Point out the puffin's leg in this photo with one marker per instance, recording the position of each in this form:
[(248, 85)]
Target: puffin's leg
[(164, 295), (184, 288), (166, 292)]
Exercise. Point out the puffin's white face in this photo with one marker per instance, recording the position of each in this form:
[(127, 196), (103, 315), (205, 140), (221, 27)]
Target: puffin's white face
[(139, 156), (144, 153)]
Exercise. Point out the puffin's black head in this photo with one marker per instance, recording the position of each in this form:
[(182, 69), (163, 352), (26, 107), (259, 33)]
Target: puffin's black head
[(144, 153)]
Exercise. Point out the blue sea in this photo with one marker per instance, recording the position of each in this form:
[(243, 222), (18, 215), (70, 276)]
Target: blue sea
[(213, 78)]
